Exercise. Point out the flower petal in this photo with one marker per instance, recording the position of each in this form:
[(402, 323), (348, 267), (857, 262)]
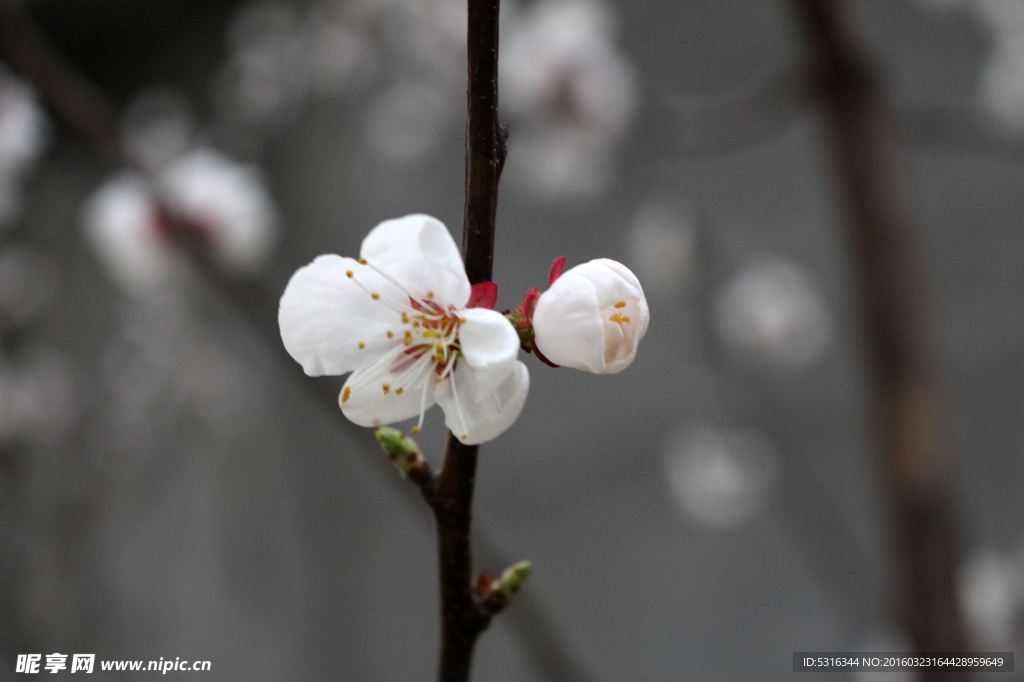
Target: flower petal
[(418, 252), (477, 417), (385, 392), (490, 345), (568, 326), (330, 322)]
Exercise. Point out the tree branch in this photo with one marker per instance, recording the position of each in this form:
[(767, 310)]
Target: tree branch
[(906, 399), (463, 617)]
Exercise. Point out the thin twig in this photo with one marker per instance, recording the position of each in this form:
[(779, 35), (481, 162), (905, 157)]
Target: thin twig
[(906, 395)]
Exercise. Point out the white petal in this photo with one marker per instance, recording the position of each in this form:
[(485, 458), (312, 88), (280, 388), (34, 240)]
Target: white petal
[(482, 416), (325, 315), (490, 346), (384, 393), (418, 252), (568, 326)]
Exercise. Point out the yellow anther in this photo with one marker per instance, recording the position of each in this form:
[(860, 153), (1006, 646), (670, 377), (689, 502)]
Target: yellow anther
[(375, 296), (620, 304), (430, 294), (345, 394), (462, 320), (619, 319), (439, 347), (348, 272), (405, 318), (408, 338), (362, 345), (626, 320), (387, 388), (416, 324), (390, 334), (437, 378), (415, 430), (428, 333), (398, 391), (362, 261), (464, 436)]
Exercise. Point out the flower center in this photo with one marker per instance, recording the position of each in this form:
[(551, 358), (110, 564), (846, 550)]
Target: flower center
[(424, 344)]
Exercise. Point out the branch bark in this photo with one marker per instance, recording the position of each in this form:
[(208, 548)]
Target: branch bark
[(463, 617), (906, 395)]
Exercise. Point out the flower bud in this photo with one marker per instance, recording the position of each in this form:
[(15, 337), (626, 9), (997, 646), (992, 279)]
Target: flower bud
[(592, 318)]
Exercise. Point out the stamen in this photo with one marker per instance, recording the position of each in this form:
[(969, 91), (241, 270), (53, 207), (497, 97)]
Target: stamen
[(392, 280), (345, 394), (619, 319), (458, 407), (387, 388), (430, 294), (398, 391), (349, 273), (620, 304), (408, 338), (362, 345), (390, 334), (405, 318), (376, 297), (415, 430)]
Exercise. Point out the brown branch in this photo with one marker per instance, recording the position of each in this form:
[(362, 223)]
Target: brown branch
[(463, 617), (906, 399)]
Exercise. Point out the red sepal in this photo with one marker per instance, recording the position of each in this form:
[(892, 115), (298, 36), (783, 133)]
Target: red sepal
[(483, 295), (556, 270)]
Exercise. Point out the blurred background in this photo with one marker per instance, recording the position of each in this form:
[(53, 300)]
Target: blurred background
[(171, 485)]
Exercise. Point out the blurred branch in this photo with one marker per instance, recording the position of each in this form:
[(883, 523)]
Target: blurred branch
[(79, 103), (906, 396)]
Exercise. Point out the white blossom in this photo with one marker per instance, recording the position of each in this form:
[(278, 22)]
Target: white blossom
[(397, 318), (592, 317)]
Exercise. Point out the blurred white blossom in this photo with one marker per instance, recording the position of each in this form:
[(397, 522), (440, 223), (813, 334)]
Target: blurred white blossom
[(37, 396), (662, 244), (266, 74), (1001, 87), (23, 138), (156, 128), (992, 597), (770, 315), (123, 225), (720, 478), (229, 204), (221, 203), (570, 93)]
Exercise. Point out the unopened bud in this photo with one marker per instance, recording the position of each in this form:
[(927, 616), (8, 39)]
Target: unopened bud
[(402, 450), (512, 580)]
